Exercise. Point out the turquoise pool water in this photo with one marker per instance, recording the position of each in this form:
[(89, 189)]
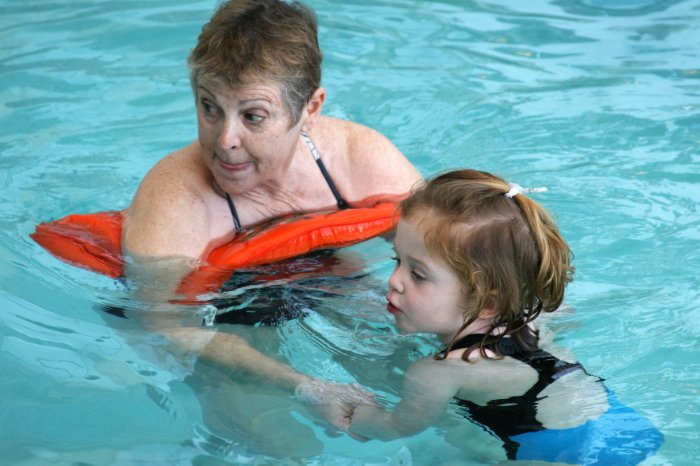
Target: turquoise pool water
[(597, 100)]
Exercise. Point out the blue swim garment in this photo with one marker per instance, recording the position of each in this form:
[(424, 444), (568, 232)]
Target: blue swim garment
[(621, 436)]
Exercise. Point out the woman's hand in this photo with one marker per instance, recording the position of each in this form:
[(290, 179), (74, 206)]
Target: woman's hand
[(336, 402)]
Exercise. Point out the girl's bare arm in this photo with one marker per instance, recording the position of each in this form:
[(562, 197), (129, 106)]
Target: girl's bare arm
[(427, 390)]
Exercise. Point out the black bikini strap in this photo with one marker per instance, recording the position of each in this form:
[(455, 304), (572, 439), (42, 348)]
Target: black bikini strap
[(338, 199), (505, 345), (467, 341), (234, 214)]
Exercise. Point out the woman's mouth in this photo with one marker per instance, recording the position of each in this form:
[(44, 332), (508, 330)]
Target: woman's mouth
[(233, 167)]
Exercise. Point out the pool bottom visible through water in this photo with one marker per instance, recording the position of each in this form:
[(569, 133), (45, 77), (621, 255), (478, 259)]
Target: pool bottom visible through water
[(597, 101)]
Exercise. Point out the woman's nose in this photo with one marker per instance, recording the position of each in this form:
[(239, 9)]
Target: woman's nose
[(229, 136)]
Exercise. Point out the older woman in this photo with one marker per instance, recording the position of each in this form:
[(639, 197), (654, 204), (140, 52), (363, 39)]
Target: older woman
[(256, 76), (264, 150)]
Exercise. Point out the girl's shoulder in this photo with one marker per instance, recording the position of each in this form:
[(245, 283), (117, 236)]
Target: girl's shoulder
[(484, 379)]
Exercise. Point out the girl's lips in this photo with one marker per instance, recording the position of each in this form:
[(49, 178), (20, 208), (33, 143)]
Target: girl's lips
[(392, 309)]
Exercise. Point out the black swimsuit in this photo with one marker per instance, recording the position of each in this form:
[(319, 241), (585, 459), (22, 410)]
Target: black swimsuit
[(342, 204), (619, 436), (276, 304), (515, 415)]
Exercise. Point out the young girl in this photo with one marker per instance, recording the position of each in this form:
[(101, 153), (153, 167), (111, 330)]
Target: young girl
[(476, 262)]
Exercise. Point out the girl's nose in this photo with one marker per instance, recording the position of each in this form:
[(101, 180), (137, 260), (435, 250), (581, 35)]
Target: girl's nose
[(229, 138), (395, 281)]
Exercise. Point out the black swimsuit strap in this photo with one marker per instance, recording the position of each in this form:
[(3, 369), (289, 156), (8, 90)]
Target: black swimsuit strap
[(468, 340), (549, 367), (234, 214), (505, 345), (342, 204)]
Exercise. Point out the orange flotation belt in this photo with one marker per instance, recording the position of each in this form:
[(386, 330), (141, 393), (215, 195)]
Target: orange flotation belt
[(93, 241)]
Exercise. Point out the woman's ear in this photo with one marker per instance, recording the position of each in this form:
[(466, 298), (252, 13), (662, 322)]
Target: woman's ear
[(313, 107)]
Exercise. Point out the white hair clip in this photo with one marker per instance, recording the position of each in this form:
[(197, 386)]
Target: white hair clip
[(516, 189)]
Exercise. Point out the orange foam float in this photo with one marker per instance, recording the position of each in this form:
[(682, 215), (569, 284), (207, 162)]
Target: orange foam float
[(93, 241)]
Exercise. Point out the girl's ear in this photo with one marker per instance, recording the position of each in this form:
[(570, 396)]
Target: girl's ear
[(490, 309)]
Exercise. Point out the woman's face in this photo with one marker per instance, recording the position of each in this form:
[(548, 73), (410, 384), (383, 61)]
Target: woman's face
[(245, 133), (425, 295)]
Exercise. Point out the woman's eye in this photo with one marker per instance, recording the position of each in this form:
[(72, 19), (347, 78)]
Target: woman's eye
[(208, 108), (253, 118)]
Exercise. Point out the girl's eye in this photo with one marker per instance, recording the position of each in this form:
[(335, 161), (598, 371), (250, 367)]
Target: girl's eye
[(253, 118), (417, 276)]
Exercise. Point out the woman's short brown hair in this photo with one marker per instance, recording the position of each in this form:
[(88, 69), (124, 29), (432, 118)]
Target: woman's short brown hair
[(249, 40)]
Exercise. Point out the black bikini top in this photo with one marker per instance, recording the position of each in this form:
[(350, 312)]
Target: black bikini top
[(342, 204), (504, 346)]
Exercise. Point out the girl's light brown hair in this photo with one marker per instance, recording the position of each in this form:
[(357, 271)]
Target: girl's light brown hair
[(253, 40), (507, 251)]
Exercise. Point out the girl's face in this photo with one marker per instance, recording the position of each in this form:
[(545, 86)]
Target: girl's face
[(245, 133), (424, 295)]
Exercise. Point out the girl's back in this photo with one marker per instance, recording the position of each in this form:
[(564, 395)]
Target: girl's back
[(547, 409)]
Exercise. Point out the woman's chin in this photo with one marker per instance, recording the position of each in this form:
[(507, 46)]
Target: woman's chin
[(234, 185)]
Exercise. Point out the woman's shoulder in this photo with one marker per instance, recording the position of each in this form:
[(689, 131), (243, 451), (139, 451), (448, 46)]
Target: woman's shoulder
[(365, 154), (355, 138), (185, 158), (172, 194), (179, 175)]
